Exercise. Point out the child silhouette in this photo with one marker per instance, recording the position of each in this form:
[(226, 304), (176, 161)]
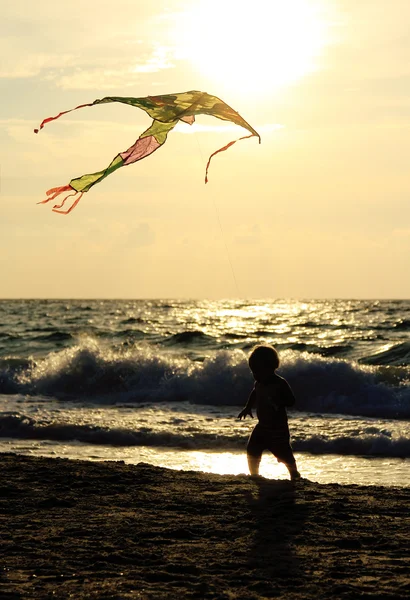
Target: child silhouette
[(270, 396)]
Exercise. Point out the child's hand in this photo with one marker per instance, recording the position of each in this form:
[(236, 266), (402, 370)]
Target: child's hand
[(244, 412)]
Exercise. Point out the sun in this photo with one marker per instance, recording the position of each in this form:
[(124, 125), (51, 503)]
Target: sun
[(258, 45)]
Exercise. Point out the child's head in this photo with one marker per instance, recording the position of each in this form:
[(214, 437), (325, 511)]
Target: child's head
[(263, 361)]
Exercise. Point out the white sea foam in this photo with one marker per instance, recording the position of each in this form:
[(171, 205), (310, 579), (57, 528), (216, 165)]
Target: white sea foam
[(195, 427), (143, 373)]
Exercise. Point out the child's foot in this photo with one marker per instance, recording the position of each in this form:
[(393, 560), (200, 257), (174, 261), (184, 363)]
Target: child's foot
[(295, 476)]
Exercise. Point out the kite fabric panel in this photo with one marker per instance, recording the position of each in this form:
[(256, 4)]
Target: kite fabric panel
[(165, 111)]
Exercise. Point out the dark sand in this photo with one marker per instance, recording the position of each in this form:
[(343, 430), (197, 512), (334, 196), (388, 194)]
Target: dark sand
[(107, 530)]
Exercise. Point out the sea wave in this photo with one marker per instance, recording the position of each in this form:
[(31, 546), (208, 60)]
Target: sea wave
[(55, 336), (25, 427), (189, 337), (403, 325), (132, 320), (138, 373), (398, 354)]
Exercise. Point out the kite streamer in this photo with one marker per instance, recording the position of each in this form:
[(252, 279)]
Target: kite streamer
[(165, 111)]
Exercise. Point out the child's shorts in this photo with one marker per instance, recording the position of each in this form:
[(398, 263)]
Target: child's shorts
[(265, 439)]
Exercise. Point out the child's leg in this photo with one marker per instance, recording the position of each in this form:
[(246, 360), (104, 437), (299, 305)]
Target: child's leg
[(284, 454), (254, 451), (293, 471), (253, 463)]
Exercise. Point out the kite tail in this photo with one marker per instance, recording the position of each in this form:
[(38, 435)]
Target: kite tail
[(54, 192), (222, 150), (59, 115)]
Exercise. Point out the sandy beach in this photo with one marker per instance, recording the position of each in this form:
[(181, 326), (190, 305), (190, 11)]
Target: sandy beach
[(72, 529)]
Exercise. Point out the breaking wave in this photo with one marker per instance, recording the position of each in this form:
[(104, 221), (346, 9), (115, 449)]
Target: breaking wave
[(94, 371), (398, 355)]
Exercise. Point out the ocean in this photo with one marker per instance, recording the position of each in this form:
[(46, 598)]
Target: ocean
[(162, 382)]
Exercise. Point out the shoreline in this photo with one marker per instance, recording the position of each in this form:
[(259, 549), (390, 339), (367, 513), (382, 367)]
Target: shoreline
[(111, 531)]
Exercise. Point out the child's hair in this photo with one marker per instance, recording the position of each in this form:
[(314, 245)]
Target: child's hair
[(264, 356)]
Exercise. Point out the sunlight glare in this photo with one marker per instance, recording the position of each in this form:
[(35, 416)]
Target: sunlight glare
[(255, 46)]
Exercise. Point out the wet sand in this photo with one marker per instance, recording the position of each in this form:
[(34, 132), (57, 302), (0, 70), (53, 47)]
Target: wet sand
[(71, 529)]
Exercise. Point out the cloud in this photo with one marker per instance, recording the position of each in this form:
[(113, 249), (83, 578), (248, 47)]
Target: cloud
[(159, 60), (84, 46), (197, 128), (96, 68), (119, 74), (97, 78), (35, 64), (139, 236)]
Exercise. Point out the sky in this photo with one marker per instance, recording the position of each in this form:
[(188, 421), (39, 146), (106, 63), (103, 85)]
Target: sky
[(320, 209)]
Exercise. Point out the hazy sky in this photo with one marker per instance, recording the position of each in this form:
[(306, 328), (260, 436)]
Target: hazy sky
[(320, 209)]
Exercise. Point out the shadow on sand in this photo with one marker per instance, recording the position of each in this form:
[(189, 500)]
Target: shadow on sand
[(279, 513)]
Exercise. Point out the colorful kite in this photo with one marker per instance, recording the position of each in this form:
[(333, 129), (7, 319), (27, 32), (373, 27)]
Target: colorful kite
[(166, 111)]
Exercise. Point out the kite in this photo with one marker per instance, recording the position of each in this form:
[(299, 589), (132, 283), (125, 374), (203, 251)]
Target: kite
[(165, 111)]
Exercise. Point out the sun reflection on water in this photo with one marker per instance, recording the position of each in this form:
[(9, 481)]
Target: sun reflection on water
[(316, 468)]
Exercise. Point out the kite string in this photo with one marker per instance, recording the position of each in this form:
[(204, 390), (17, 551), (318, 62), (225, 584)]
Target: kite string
[(220, 225)]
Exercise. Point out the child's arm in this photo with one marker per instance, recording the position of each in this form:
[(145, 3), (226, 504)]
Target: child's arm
[(249, 405)]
